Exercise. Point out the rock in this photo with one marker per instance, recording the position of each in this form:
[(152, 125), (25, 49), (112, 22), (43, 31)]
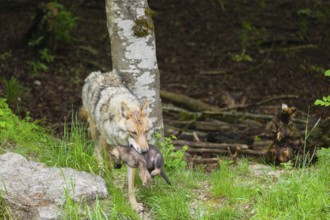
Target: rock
[(264, 170), (33, 191), (37, 82)]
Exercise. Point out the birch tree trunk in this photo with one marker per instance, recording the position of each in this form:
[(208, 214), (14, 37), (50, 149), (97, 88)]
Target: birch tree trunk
[(133, 51)]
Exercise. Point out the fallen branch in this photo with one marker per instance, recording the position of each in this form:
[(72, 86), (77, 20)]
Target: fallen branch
[(226, 116), (208, 145), (187, 102), (220, 148), (225, 151), (204, 160), (213, 125), (260, 103)]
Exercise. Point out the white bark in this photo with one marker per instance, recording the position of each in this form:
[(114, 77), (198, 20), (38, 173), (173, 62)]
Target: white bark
[(134, 56)]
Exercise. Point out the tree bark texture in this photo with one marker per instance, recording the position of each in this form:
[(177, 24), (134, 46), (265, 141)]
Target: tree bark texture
[(133, 55)]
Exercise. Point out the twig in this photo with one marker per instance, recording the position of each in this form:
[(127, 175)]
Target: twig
[(260, 102), (235, 115), (209, 145)]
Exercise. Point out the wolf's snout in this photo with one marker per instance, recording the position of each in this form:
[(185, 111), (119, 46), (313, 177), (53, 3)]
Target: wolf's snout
[(144, 151)]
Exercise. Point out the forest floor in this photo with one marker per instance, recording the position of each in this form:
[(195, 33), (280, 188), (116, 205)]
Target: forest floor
[(223, 53)]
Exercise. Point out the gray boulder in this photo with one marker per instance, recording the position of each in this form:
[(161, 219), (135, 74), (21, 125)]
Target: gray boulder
[(33, 191)]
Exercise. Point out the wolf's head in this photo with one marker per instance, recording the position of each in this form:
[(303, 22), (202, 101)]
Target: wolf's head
[(137, 125)]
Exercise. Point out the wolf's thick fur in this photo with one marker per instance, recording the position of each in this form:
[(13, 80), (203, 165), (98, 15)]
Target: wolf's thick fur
[(150, 164), (115, 116)]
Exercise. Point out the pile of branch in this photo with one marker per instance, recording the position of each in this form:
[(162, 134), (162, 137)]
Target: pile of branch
[(209, 131)]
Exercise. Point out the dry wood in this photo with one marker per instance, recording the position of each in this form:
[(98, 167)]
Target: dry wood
[(227, 116), (187, 102), (207, 150), (204, 160), (221, 148), (214, 125), (262, 102), (208, 145), (250, 152)]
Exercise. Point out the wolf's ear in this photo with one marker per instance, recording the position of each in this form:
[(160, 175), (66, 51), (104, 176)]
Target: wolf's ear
[(124, 110), (115, 153), (145, 108)]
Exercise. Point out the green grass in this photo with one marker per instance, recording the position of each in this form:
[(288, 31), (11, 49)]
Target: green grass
[(304, 194), (172, 202), (74, 150), (297, 194), (231, 192)]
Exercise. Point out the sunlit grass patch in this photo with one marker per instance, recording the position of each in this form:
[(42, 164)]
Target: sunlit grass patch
[(173, 201), (305, 194), (229, 182)]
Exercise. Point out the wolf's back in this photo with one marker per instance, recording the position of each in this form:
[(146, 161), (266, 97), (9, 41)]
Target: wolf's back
[(102, 96), (94, 83)]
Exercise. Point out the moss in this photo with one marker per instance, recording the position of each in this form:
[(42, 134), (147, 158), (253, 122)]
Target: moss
[(142, 27), (150, 13)]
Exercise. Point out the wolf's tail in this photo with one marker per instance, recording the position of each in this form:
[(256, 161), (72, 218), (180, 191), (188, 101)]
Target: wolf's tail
[(162, 173), (83, 114)]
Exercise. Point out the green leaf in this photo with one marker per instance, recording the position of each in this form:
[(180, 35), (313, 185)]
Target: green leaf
[(318, 102), (327, 73), (2, 124)]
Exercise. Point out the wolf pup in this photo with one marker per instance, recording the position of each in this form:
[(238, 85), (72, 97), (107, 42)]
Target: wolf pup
[(149, 164), (115, 117)]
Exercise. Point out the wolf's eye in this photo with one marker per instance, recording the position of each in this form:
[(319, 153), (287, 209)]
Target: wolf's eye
[(133, 133)]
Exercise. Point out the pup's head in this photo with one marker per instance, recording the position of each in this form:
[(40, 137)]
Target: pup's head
[(286, 112), (115, 155), (137, 125)]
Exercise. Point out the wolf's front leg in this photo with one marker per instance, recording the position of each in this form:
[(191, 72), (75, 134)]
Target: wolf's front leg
[(102, 144), (131, 193)]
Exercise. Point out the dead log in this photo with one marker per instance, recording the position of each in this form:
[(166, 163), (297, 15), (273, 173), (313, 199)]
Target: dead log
[(187, 102), (219, 148), (204, 145), (250, 152), (204, 160), (212, 125), (199, 106), (226, 116)]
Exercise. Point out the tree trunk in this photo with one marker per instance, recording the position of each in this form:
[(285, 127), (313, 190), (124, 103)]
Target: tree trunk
[(133, 51)]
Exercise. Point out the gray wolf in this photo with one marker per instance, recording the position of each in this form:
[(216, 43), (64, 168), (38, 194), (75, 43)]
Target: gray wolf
[(149, 164), (116, 117)]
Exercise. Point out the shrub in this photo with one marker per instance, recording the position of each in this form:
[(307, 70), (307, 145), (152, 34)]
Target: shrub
[(174, 158), (325, 101)]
